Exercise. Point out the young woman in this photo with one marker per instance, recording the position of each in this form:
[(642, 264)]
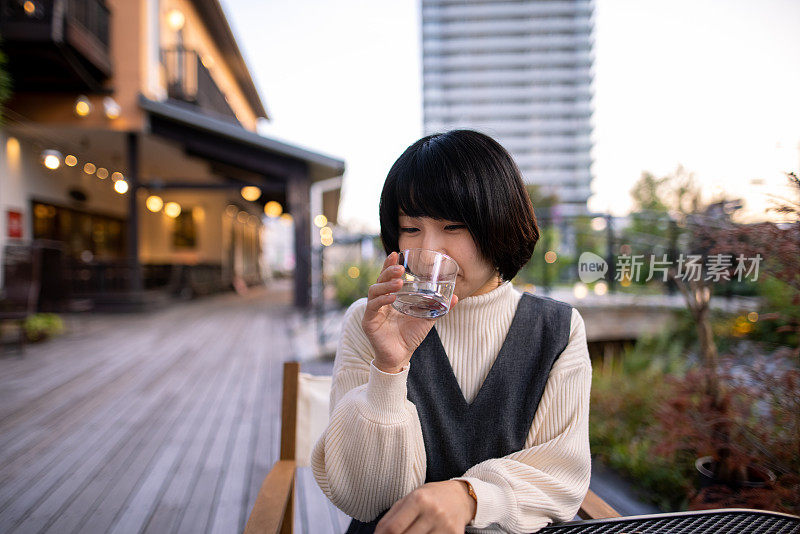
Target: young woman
[(477, 419)]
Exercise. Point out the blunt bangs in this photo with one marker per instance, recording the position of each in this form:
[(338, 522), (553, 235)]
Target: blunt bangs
[(467, 177)]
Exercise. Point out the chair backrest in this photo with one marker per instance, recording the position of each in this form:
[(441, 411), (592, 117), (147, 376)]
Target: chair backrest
[(304, 414)]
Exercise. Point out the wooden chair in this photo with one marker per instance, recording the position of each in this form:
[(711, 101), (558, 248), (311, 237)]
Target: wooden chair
[(273, 511)]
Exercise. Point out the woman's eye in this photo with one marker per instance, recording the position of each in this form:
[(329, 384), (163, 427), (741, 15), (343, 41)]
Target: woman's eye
[(455, 226), (408, 229)]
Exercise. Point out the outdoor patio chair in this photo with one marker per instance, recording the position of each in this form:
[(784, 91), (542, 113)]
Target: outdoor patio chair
[(304, 416), (21, 284)]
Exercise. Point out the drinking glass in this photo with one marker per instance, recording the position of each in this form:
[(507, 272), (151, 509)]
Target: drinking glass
[(428, 283)]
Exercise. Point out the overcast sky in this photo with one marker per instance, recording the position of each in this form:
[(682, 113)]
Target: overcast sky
[(708, 84)]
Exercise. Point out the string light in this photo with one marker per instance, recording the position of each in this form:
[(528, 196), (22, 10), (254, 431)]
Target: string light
[(121, 187), (102, 173), (251, 193), (320, 221), (172, 209), (111, 108), (154, 203), (580, 290), (117, 176), (83, 106), (273, 209), (600, 288), (70, 160), (51, 159), (89, 168)]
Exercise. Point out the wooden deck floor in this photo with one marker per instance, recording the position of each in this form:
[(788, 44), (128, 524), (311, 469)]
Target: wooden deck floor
[(160, 423)]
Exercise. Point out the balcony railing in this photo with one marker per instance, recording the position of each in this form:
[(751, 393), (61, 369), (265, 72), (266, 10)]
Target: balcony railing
[(188, 80), (92, 15), (56, 43)]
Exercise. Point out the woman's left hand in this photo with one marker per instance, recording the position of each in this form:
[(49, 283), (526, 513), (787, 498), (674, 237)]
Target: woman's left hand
[(434, 507)]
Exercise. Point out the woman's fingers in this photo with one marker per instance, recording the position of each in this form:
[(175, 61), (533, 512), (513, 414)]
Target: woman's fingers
[(393, 271), (382, 288), (373, 305), (453, 301), (391, 259)]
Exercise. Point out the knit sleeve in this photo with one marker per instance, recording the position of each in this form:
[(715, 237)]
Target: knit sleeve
[(372, 453), (547, 480)]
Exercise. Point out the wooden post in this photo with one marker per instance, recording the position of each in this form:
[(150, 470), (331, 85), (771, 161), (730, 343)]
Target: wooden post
[(298, 195), (134, 266)]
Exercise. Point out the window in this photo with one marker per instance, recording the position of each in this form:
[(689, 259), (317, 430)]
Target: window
[(184, 233)]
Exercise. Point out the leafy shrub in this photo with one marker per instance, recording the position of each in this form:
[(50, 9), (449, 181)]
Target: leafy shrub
[(41, 326), (622, 426), (352, 281)]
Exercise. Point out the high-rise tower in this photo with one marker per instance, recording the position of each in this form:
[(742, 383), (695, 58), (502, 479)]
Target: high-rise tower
[(520, 71)]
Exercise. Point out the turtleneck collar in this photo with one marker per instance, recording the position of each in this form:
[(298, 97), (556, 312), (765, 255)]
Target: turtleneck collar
[(497, 296)]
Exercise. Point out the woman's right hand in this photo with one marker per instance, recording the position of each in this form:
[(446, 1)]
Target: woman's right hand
[(394, 335)]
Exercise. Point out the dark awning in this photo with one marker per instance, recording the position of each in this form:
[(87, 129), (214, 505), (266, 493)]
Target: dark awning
[(227, 143)]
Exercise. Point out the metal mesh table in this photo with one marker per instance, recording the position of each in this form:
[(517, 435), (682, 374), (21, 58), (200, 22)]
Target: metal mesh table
[(709, 521)]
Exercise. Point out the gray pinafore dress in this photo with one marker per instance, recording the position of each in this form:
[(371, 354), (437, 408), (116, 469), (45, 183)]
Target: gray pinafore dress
[(458, 434)]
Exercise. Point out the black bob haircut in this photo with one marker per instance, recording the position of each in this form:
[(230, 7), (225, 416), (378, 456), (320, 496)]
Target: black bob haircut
[(466, 177)]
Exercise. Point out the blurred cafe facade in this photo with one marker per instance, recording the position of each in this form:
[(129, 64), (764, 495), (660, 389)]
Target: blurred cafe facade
[(130, 162)]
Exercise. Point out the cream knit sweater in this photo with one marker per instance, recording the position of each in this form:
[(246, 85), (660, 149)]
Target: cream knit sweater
[(372, 453)]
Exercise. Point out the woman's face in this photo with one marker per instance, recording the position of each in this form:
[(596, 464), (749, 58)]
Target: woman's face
[(476, 276)]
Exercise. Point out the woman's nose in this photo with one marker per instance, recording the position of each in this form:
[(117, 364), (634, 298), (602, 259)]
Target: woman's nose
[(432, 242)]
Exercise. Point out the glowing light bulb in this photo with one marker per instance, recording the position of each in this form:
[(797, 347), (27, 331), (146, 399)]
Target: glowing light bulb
[(82, 106), (51, 159), (251, 193), (175, 19), (111, 108), (273, 209), (172, 209), (154, 203)]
